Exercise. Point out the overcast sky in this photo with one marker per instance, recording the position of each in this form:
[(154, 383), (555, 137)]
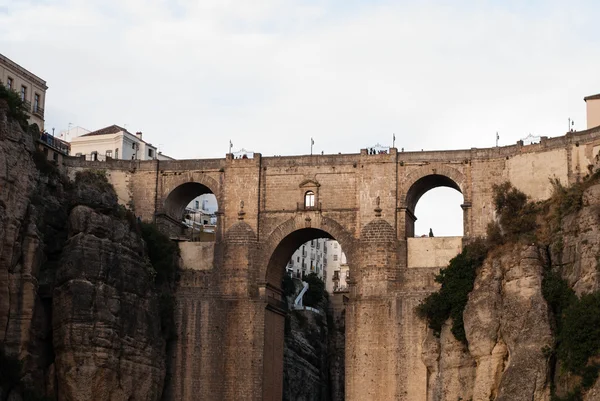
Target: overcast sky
[(269, 75)]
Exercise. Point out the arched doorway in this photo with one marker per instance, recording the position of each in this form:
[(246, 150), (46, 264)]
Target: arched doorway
[(303, 245), (191, 212)]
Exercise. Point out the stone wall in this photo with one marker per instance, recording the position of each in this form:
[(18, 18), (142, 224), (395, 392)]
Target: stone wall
[(432, 251), (364, 201)]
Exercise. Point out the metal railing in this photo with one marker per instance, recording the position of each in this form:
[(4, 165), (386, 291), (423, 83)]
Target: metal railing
[(55, 143), (27, 105)]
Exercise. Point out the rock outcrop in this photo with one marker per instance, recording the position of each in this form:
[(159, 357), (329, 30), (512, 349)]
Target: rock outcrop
[(106, 330), (311, 356), (78, 307), (509, 326)]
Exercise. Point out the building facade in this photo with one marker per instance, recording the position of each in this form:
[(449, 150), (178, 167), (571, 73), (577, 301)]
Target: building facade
[(113, 142), (592, 104), (325, 258), (30, 87)]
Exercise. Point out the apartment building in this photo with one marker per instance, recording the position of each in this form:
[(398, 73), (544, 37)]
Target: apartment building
[(112, 142), (30, 87), (325, 258)]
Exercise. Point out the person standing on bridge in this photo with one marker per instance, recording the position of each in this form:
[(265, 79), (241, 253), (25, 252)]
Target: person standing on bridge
[(430, 232)]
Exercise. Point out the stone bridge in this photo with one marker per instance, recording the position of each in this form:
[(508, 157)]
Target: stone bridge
[(230, 319)]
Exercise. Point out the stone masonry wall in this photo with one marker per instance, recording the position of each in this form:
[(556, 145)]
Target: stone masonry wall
[(361, 200)]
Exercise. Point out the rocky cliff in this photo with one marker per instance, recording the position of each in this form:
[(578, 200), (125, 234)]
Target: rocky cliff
[(79, 312), (516, 315), (313, 354)]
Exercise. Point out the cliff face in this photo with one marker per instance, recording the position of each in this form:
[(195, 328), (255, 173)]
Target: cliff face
[(509, 325), (77, 300), (313, 354)]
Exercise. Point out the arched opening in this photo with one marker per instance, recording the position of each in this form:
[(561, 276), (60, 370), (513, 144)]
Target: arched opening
[(194, 207), (307, 361), (435, 221), (439, 210), (420, 188)]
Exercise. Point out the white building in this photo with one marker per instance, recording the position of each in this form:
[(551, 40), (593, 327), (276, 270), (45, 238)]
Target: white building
[(323, 257), (30, 87), (114, 142), (337, 268)]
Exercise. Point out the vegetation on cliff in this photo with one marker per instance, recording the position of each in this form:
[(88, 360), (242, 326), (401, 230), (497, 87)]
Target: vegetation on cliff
[(456, 283), (16, 108), (164, 255), (576, 320)]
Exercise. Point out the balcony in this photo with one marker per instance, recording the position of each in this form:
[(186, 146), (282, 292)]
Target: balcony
[(27, 106), (302, 207), (55, 143), (38, 111)]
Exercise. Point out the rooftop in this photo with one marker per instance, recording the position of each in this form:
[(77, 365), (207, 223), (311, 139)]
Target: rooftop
[(23, 71), (113, 129), (592, 97)]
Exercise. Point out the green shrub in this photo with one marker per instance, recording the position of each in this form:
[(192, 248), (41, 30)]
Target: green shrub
[(163, 254), (316, 290), (579, 337), (95, 178), (16, 109), (517, 216), (287, 285), (457, 282), (42, 163), (577, 330)]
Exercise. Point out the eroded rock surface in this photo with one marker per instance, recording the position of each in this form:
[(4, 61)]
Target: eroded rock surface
[(77, 303)]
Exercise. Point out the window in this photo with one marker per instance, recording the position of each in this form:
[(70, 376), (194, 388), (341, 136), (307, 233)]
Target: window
[(312, 243), (298, 259), (335, 245), (94, 156), (309, 199), (36, 102), (335, 258), (23, 93), (55, 156), (109, 153), (150, 153), (197, 204), (133, 145), (77, 154), (9, 83), (116, 153)]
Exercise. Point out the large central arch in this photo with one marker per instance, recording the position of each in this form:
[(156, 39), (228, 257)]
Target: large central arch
[(281, 245)]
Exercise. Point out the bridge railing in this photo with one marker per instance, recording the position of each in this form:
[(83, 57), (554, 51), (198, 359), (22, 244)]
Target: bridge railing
[(300, 206)]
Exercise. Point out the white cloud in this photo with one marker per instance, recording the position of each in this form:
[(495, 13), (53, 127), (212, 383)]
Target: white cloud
[(270, 74)]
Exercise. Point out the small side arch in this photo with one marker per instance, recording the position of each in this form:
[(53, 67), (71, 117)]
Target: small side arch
[(175, 201), (423, 179)]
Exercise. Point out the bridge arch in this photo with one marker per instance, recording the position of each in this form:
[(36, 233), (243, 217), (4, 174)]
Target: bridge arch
[(280, 246), (288, 236), (177, 195), (426, 178)]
